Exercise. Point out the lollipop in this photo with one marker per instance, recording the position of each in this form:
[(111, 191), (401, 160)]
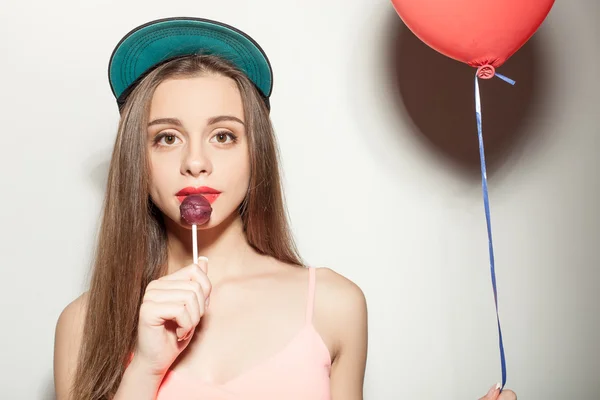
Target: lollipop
[(195, 210)]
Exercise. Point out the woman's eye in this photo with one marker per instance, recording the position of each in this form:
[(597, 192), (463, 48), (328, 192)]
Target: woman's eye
[(224, 138), (165, 139), (169, 139)]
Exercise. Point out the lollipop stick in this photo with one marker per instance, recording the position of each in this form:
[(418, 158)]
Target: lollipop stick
[(195, 243)]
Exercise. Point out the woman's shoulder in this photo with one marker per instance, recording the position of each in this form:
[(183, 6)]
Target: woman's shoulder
[(75, 310), (331, 286), (336, 297), (329, 283), (340, 314), (67, 341), (335, 284), (69, 326), (338, 294)]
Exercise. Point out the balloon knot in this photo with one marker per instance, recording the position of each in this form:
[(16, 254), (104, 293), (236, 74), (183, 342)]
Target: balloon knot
[(486, 71)]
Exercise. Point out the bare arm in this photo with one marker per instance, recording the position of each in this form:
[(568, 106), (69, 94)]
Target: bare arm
[(346, 308), (67, 340), (136, 383)]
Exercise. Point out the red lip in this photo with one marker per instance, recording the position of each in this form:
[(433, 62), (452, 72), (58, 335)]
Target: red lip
[(209, 193)]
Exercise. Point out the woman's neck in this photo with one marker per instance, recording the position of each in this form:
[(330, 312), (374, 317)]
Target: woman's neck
[(225, 246)]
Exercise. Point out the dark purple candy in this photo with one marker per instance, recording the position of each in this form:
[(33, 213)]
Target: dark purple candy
[(195, 209)]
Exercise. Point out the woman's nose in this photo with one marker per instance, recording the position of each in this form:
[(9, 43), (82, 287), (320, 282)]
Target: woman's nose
[(196, 162)]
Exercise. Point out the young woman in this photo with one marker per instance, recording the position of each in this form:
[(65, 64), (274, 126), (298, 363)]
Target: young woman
[(247, 319)]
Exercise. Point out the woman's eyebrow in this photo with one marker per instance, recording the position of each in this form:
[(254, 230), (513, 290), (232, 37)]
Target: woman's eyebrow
[(166, 121), (211, 121), (220, 118)]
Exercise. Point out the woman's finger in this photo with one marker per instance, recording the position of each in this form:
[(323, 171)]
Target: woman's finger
[(492, 394), (203, 264), (181, 285), (507, 395), (203, 276), (156, 314), (188, 297), (194, 272)]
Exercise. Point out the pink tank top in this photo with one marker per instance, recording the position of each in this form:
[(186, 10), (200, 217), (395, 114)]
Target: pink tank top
[(298, 372)]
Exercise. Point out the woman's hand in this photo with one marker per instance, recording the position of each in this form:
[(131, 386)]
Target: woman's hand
[(170, 311), (494, 394)]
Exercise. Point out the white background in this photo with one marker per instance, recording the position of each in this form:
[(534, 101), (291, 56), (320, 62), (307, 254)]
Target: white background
[(368, 193)]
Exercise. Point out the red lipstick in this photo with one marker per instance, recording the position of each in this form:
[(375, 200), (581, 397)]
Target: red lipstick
[(209, 193)]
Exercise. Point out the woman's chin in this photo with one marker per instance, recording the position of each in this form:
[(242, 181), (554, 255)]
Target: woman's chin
[(207, 225), (214, 220)]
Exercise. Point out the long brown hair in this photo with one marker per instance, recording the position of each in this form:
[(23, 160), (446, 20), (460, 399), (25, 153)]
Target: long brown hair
[(131, 248)]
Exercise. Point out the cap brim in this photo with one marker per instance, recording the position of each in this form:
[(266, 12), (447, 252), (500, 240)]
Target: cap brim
[(158, 41)]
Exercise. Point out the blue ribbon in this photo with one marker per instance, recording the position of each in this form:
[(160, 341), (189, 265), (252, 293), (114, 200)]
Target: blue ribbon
[(487, 214)]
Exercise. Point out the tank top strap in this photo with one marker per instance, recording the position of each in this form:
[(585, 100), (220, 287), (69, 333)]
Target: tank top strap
[(310, 303)]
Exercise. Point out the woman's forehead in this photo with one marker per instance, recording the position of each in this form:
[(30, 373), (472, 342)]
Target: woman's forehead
[(197, 98)]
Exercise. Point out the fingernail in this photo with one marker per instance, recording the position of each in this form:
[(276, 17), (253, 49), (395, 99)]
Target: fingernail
[(498, 386), (202, 258), (207, 302), (185, 337), (492, 389)]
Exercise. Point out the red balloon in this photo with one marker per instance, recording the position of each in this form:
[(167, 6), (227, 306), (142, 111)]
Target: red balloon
[(476, 32)]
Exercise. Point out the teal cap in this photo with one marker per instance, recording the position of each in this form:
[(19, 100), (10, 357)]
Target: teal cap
[(155, 42)]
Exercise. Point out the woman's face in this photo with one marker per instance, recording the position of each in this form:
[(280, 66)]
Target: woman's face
[(197, 138)]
